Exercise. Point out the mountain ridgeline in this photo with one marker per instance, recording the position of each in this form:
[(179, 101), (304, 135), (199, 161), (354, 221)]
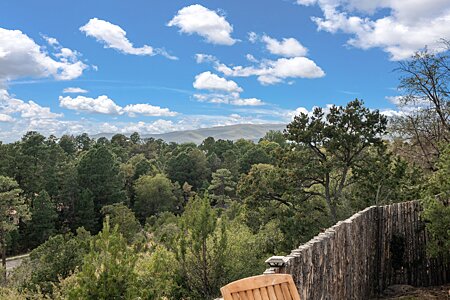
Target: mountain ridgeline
[(252, 132)]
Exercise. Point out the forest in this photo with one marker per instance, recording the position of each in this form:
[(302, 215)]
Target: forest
[(132, 218)]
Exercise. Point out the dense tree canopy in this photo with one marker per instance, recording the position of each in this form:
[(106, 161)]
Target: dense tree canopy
[(185, 219)]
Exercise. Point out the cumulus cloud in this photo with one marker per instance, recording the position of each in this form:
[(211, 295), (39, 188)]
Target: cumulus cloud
[(6, 118), (74, 90), (20, 57), (288, 47), (101, 104), (146, 109), (400, 28), (104, 105), (210, 81), (221, 91), (113, 36), (204, 22), (11, 106), (274, 71)]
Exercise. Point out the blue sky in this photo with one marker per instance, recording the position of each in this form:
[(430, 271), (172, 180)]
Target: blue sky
[(189, 64)]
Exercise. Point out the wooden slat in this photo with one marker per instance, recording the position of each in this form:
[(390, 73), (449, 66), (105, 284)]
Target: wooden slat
[(286, 292), (236, 296), (271, 291), (257, 294), (243, 295), (278, 292), (250, 295), (264, 293)]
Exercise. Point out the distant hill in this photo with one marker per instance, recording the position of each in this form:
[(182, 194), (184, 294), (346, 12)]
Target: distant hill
[(232, 132)]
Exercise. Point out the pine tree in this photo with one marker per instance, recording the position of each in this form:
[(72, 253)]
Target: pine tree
[(108, 269), (98, 171), (222, 187), (84, 211), (43, 222), (12, 209)]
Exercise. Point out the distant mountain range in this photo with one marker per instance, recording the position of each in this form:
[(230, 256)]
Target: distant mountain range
[(232, 132)]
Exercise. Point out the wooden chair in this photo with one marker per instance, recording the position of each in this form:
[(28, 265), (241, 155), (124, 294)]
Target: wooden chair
[(262, 287)]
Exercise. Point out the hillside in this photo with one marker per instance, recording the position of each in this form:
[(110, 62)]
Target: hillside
[(232, 132)]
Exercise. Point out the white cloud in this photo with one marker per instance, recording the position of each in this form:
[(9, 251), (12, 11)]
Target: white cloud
[(275, 71), (204, 22), (251, 58), (231, 98), (400, 29), (20, 57), (204, 58), (210, 81), (247, 102), (74, 90), (148, 110), (113, 36), (288, 47), (101, 104), (104, 105), (253, 37), (6, 118), (10, 106)]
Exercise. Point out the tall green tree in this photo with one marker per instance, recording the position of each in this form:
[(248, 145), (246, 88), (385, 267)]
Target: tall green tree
[(154, 194), (436, 205), (12, 209), (202, 253), (124, 218), (44, 216), (222, 187), (84, 211), (189, 166), (99, 171), (107, 271), (325, 146)]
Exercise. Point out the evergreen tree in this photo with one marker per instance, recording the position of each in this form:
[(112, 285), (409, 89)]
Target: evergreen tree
[(84, 213), (98, 171), (43, 222), (107, 271), (124, 218), (222, 187), (12, 209), (203, 245), (154, 194)]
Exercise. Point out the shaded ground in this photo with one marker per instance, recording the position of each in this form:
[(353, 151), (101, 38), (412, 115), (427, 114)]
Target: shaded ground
[(407, 292)]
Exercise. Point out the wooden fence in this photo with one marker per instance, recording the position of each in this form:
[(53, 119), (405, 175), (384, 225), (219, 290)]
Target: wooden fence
[(360, 257)]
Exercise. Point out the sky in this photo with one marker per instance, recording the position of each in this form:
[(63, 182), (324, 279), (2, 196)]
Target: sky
[(68, 67)]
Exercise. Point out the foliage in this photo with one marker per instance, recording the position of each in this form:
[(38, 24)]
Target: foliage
[(156, 275), (55, 259), (154, 194), (330, 145), (222, 187), (98, 171), (202, 246), (107, 271), (12, 209), (189, 166), (123, 217), (44, 216), (424, 79), (437, 208)]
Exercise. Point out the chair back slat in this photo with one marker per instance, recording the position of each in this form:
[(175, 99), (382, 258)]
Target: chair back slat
[(263, 287)]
